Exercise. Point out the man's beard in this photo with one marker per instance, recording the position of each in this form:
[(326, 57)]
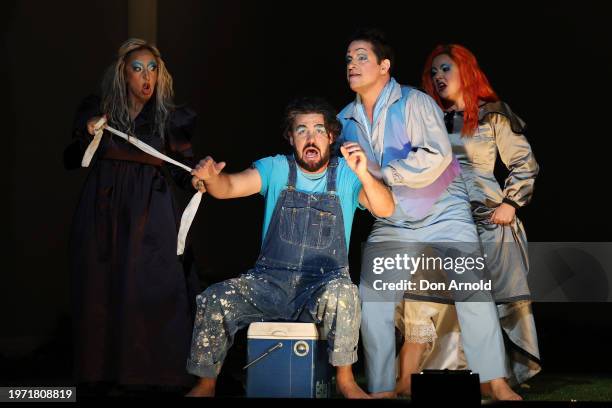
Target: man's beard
[(309, 166)]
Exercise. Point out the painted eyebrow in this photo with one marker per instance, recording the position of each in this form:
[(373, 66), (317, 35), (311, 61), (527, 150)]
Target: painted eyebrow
[(444, 64), (349, 53), (318, 125)]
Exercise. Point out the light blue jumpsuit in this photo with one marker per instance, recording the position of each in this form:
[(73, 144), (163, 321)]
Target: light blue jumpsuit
[(408, 146)]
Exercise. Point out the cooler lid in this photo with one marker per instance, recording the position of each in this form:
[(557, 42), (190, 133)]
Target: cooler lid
[(282, 330)]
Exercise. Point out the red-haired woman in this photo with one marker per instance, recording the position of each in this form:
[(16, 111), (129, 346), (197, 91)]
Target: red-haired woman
[(480, 126)]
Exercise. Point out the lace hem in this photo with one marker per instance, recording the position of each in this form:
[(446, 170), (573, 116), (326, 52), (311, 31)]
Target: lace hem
[(420, 333)]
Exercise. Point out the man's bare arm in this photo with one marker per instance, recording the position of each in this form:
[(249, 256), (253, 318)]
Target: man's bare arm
[(223, 185)]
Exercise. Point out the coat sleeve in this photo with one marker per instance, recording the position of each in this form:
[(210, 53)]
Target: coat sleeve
[(73, 154), (515, 152), (182, 127)]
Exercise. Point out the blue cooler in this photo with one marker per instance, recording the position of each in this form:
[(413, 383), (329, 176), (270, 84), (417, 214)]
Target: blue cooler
[(287, 360)]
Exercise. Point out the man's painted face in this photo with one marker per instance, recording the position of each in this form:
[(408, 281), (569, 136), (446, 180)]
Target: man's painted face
[(446, 78), (311, 142), (141, 75), (362, 68)]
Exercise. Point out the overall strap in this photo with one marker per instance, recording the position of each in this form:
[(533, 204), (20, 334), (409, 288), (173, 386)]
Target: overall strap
[(332, 170), (292, 180)]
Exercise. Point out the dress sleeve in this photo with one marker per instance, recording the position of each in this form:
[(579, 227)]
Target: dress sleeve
[(73, 154), (431, 151), (516, 153), (182, 128)]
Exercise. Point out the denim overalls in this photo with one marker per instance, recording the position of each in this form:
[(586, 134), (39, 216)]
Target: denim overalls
[(301, 275)]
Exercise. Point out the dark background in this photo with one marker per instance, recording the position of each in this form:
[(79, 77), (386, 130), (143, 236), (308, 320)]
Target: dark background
[(237, 64)]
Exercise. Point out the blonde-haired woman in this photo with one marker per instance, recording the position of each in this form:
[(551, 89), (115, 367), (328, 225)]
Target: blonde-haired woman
[(132, 295)]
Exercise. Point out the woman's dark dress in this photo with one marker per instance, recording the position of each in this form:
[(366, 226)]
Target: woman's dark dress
[(132, 295)]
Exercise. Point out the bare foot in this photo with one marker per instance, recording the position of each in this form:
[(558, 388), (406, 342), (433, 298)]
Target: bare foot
[(350, 390), (385, 395), (485, 389), (346, 384), (410, 358), (500, 390), (204, 388), (403, 386)]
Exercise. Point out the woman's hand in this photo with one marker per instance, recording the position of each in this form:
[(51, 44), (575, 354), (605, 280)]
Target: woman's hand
[(503, 215), (91, 124), (198, 184)]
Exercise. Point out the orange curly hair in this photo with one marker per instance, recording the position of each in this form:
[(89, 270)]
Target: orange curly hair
[(474, 83)]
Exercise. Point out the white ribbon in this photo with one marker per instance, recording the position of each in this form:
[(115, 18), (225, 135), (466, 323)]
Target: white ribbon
[(194, 203)]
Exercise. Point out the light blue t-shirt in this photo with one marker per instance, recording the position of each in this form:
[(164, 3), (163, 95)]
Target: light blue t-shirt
[(274, 173)]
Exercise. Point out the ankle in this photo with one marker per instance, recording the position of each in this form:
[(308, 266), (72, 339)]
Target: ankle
[(344, 374)]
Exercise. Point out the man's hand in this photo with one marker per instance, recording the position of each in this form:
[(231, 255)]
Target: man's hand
[(503, 215), (207, 169), (355, 157), (198, 184)]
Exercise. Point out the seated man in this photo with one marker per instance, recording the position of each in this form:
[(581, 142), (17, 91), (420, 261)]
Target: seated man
[(302, 270)]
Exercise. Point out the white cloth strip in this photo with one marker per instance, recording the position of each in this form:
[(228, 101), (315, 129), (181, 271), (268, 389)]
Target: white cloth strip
[(191, 209), (93, 145), (146, 148), (186, 220)]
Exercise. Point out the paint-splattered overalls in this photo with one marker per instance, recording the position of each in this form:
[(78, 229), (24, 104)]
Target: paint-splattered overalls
[(301, 275)]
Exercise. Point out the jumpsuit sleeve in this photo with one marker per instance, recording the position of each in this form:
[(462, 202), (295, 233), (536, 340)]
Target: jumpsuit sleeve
[(431, 151)]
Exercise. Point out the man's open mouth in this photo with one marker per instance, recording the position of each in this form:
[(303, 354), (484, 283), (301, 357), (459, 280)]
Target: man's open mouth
[(311, 153)]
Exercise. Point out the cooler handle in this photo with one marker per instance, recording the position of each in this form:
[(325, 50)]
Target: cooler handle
[(267, 352)]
